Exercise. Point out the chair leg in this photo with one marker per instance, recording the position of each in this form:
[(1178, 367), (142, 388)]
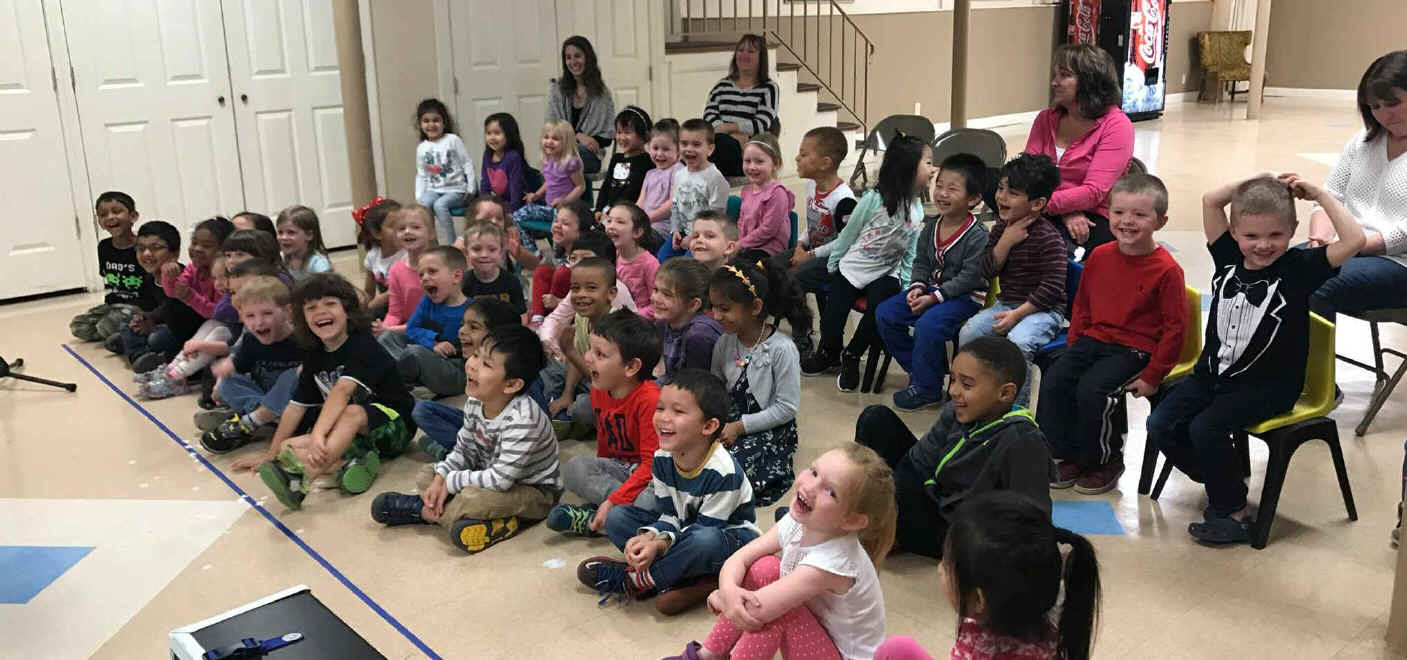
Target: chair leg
[(1150, 465), (1275, 469), (871, 361), (1162, 480), (1243, 446), (1384, 384), (883, 372), (1336, 451)]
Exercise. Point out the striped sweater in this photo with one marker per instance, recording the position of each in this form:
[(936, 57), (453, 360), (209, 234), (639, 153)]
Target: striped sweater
[(717, 494), (1034, 269), (515, 448), (753, 109)]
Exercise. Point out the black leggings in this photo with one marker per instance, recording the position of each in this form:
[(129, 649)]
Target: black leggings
[(840, 299), (921, 527), (727, 155)]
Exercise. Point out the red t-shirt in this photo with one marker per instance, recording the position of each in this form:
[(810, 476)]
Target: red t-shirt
[(625, 430), (1139, 302)]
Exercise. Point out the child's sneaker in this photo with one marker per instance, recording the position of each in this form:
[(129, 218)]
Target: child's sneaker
[(819, 363), (113, 344), (691, 652), (682, 599), (473, 535), (1066, 474), (150, 375), (148, 361), (228, 436), (286, 486), (163, 387), (609, 577), (207, 420), (431, 448), (911, 399), (393, 509), (567, 429), (572, 520), (1098, 480), (359, 473), (849, 378), (1220, 530)]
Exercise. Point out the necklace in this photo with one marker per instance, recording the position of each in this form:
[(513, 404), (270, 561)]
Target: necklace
[(743, 360)]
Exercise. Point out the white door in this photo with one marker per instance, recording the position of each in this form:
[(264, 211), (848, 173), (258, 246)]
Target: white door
[(504, 54), (39, 247), (154, 105), (619, 31), (288, 110)]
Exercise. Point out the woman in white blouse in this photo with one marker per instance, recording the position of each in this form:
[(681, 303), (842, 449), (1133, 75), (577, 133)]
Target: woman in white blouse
[(1370, 179)]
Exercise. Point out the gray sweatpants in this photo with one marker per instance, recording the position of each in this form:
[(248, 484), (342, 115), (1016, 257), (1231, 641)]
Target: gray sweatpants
[(594, 479), (554, 378), (417, 364)]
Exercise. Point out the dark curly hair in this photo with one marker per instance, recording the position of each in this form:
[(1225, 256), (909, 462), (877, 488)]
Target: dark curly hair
[(438, 107), (1097, 87), (327, 285)]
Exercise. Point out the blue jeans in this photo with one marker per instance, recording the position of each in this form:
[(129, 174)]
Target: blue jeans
[(590, 162), (243, 395), (698, 551), (440, 204), (924, 354), (667, 250), (442, 422), (534, 216), (1030, 335), (161, 340), (1363, 283)]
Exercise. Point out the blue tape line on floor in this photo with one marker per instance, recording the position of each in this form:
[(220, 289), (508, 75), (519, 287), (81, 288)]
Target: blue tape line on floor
[(1087, 517), (259, 508)]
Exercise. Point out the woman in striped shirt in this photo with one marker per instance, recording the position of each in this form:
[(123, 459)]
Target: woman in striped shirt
[(741, 105)]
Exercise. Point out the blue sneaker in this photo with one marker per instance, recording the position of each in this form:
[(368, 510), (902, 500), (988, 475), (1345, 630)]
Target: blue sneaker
[(393, 509), (572, 520), (609, 577), (912, 398)]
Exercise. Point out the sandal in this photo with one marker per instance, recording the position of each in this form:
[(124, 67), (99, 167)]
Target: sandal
[(1219, 530)]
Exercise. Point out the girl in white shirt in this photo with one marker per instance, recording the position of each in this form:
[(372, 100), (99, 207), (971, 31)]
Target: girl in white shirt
[(821, 597), (444, 175)]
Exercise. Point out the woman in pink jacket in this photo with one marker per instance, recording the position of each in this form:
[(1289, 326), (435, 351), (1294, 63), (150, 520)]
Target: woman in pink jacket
[(1088, 136)]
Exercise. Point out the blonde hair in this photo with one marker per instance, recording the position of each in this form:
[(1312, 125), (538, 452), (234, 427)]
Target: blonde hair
[(428, 217), (566, 135), (871, 494), (485, 228), (263, 289)]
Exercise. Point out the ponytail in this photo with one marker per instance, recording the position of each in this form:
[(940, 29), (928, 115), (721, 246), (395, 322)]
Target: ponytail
[(1079, 617), (786, 300)]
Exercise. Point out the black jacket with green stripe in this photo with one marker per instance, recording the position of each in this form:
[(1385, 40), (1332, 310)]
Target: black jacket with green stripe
[(963, 460)]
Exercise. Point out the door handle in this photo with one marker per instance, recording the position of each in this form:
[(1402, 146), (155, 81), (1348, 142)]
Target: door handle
[(220, 100), (244, 98)]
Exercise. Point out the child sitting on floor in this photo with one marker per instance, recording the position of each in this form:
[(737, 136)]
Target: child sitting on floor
[(361, 408), (593, 288), (808, 587), (415, 233), (687, 332), (624, 351), (378, 236), (152, 335), (703, 506), (715, 239), (1018, 593), (698, 186), (551, 283), (1026, 251), (761, 366), (487, 278), (1117, 342), (427, 352), (130, 289), (1253, 358), (593, 243), (502, 473), (657, 189), (981, 442), (629, 230), (210, 341), (300, 240)]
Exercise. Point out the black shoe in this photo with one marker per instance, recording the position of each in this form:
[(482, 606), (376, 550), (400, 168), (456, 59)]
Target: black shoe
[(230, 435), (1221, 530), (148, 361), (397, 509), (780, 513), (819, 363), (114, 343), (849, 378)]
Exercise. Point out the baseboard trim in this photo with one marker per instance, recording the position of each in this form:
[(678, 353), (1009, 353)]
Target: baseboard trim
[(1306, 92)]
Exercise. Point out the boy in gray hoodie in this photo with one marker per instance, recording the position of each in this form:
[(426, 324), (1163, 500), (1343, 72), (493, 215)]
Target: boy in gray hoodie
[(947, 286), (980, 443)]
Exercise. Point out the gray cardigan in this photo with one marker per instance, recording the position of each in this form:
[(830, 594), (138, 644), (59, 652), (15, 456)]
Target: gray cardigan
[(598, 116), (961, 272), (773, 377)]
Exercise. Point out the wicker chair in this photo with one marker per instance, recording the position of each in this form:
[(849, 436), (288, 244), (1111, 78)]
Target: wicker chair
[(1223, 57)]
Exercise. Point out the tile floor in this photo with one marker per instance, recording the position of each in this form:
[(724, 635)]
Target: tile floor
[(173, 543)]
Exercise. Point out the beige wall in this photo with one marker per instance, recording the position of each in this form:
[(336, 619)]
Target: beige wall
[(403, 34), (1321, 44)]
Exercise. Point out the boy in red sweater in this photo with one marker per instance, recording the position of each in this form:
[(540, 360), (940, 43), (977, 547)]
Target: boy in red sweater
[(1125, 335), (624, 350)]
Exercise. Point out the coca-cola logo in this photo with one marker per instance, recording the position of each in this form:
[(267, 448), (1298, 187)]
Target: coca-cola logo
[(1151, 35)]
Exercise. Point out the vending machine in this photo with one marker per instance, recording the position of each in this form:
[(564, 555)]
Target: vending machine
[(1135, 33)]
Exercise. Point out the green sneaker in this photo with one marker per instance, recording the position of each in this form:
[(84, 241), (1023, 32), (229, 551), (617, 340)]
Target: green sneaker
[(359, 473), (286, 486), (473, 535), (431, 448), (572, 520)]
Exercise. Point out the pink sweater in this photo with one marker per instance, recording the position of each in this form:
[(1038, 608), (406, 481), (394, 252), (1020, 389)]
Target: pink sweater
[(202, 296), (403, 285), (638, 276), (762, 220), (1090, 165)]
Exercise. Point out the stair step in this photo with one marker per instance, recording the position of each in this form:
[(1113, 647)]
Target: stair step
[(847, 126), (827, 107), (808, 87), (700, 47), (788, 66)]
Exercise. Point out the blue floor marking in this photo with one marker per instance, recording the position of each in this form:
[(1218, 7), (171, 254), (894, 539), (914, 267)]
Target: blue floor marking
[(262, 511), (1086, 517), (25, 570)]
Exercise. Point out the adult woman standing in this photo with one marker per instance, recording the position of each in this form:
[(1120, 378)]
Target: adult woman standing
[(1370, 180), (1088, 136), (741, 105), (582, 99)]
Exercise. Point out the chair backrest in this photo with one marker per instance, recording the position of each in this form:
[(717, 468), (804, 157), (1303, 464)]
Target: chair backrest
[(791, 240), (1192, 332), (888, 128), (980, 142), (992, 292), (1073, 271), (1223, 49), (1319, 370)]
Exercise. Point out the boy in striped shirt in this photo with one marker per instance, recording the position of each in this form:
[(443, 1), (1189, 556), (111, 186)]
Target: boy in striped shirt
[(503, 469), (703, 505)]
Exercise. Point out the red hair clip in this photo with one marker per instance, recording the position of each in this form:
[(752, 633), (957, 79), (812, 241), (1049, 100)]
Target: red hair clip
[(360, 214)]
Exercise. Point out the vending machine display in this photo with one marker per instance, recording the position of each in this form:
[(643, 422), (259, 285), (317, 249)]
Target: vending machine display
[(1135, 34)]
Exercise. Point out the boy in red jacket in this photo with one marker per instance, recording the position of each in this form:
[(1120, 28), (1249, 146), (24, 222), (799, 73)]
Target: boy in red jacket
[(1126, 330), (624, 350)]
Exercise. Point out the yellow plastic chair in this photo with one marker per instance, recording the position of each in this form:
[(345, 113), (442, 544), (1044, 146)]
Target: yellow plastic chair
[(1283, 434), (1186, 362)]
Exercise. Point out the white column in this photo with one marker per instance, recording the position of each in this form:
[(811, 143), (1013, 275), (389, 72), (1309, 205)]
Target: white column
[(1258, 43)]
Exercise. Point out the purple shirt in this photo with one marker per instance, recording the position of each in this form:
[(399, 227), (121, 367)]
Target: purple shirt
[(558, 177), (689, 347), (504, 178)]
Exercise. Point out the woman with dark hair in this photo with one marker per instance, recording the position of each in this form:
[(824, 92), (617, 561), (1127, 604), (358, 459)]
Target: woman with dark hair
[(1370, 180), (582, 99), (1088, 136), (742, 105)]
